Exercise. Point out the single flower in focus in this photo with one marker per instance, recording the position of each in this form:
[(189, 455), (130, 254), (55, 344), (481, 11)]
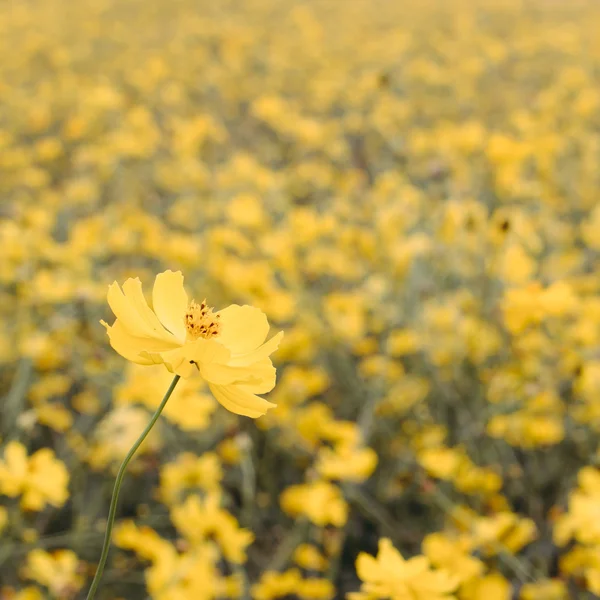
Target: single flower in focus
[(227, 347)]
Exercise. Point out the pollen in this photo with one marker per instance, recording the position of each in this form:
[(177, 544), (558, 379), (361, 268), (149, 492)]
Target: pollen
[(201, 322)]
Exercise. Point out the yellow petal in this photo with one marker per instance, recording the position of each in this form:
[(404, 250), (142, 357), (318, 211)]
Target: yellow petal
[(130, 307), (240, 402), (259, 353), (183, 359), (253, 375), (128, 345), (132, 289), (224, 374), (170, 302), (175, 361), (15, 456), (203, 351), (366, 566), (243, 328), (126, 312), (265, 375)]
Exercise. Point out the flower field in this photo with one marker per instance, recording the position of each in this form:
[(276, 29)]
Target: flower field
[(409, 191)]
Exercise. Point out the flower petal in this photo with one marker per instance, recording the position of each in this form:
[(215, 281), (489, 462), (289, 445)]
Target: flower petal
[(224, 374), (130, 346), (170, 302), (126, 312), (243, 328), (265, 375), (239, 401), (174, 361), (130, 307), (203, 351), (259, 353), (132, 289), (183, 359)]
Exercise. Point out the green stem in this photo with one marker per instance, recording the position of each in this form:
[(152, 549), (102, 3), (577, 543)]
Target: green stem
[(112, 511)]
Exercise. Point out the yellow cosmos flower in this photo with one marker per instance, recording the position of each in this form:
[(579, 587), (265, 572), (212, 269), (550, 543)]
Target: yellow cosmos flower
[(227, 347)]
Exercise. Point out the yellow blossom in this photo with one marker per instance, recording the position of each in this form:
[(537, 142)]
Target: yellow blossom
[(346, 463), (117, 432), (190, 407), (225, 347), (453, 555), (320, 501), (58, 571), (274, 585), (188, 472), (580, 521), (308, 557), (389, 575), (492, 586), (40, 479), (198, 520), (545, 590)]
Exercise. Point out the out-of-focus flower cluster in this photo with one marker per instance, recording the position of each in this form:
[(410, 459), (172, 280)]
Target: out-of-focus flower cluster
[(410, 191)]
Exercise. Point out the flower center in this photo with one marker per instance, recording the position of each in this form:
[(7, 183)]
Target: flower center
[(200, 321)]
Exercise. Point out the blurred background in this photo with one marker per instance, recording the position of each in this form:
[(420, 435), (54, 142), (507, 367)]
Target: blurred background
[(410, 191)]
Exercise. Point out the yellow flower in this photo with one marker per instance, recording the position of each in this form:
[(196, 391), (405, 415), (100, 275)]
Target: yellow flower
[(190, 407), (580, 521), (276, 585), (29, 593), (320, 501), (308, 557), (144, 541), (39, 479), (198, 520), (225, 347), (452, 554), (487, 587), (504, 529), (187, 472), (549, 589), (315, 588), (346, 463), (390, 576), (58, 571), (442, 463), (117, 432)]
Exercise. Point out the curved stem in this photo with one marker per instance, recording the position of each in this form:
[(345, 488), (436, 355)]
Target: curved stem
[(112, 511)]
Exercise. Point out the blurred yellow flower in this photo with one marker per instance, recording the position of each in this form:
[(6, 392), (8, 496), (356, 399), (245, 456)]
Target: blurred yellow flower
[(276, 585), (389, 575), (320, 501), (503, 531), (188, 472), (549, 589), (315, 589), (29, 593), (308, 557), (198, 520), (346, 463), (190, 406), (492, 586), (58, 571), (452, 555), (580, 521), (116, 433), (40, 479), (225, 347)]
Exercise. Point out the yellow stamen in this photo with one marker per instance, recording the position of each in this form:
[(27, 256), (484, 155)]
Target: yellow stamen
[(200, 321)]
